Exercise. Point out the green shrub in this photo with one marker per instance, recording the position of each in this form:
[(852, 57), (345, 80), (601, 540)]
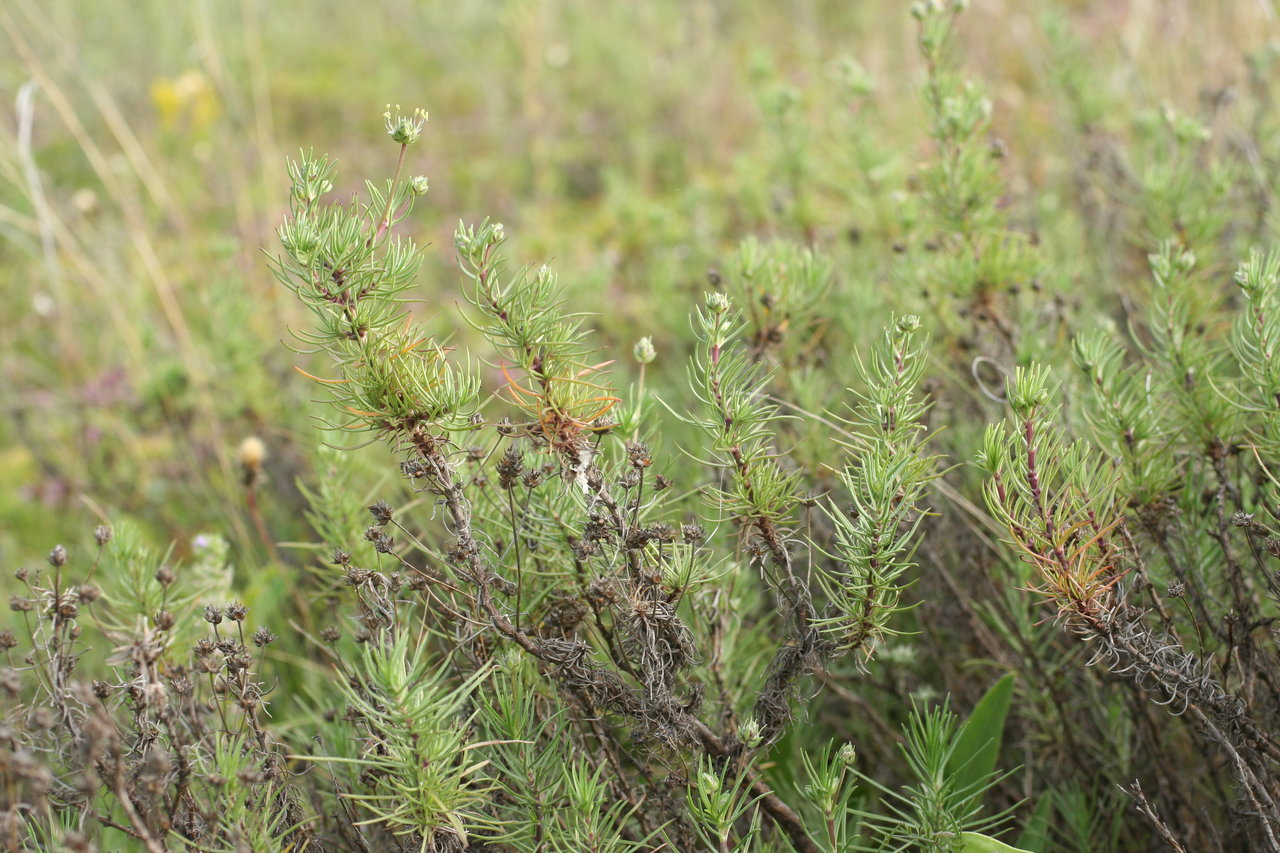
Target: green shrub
[(831, 425)]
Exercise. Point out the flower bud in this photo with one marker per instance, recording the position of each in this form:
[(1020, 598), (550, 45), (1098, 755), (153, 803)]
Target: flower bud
[(750, 733), (644, 351)]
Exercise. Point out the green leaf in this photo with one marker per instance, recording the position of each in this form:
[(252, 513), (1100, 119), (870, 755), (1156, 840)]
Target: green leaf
[(976, 842), (978, 744), (1036, 834)]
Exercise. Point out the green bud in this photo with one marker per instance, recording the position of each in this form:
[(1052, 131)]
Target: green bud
[(750, 733), (418, 185), (643, 351), (717, 303)]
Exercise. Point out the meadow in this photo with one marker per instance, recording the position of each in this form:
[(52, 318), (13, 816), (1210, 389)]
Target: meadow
[(684, 426)]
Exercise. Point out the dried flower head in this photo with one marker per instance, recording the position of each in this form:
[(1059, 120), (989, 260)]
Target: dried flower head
[(381, 512), (58, 556)]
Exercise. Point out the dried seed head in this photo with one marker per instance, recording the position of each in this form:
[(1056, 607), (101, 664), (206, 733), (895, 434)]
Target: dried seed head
[(102, 534), (381, 512), (10, 681), (263, 637), (662, 532), (88, 593), (236, 611), (163, 620), (212, 615), (381, 541), (21, 604), (8, 640), (67, 605), (156, 696), (58, 556), (42, 718), (355, 576), (164, 576), (638, 454), (330, 634), (510, 466), (583, 549)]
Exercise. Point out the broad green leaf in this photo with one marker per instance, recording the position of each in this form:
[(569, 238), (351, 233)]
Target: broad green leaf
[(976, 842), (978, 744), (1036, 834)]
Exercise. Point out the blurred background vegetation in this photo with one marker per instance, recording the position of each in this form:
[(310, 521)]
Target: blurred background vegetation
[(142, 159)]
